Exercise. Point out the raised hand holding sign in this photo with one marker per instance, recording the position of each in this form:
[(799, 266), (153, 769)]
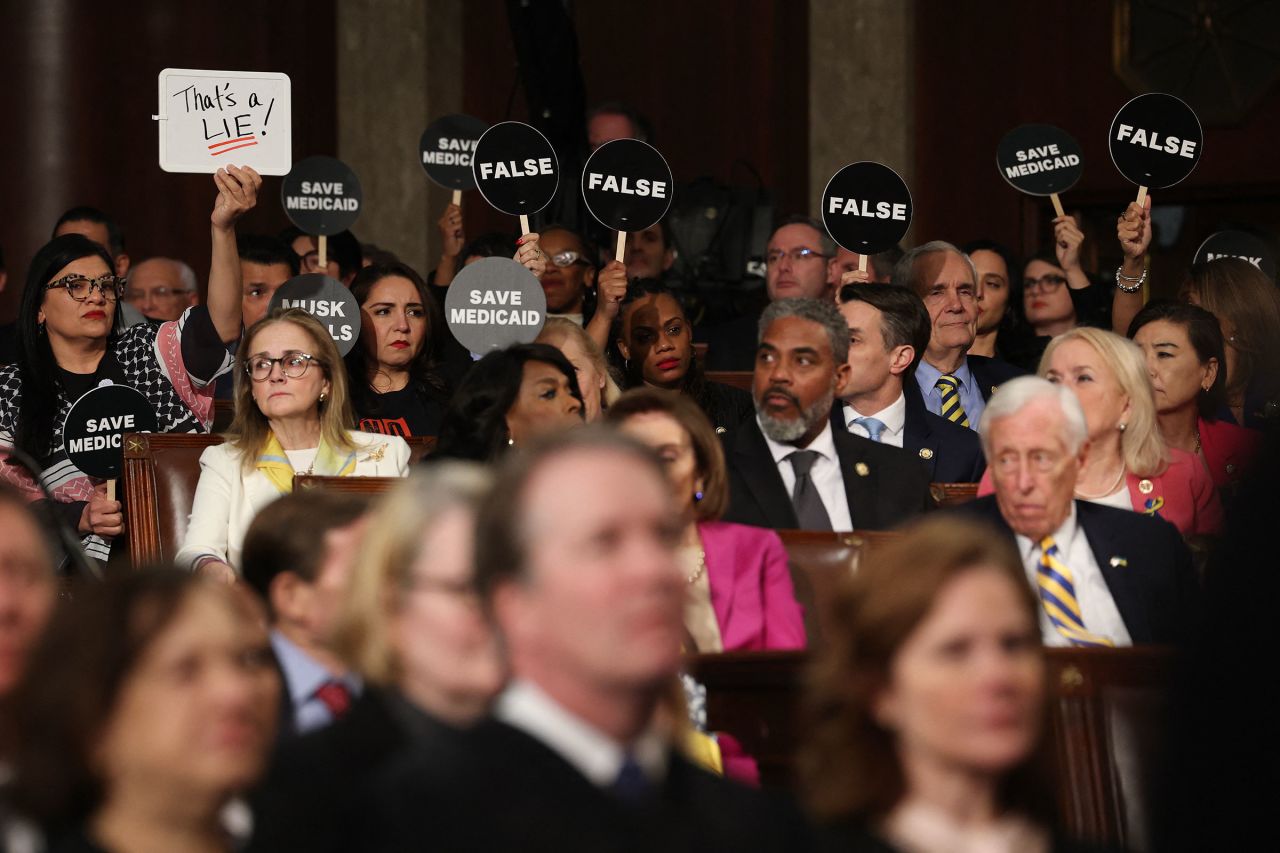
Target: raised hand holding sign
[(1040, 159), (626, 184), (516, 170), (866, 208), (1155, 141), (322, 196)]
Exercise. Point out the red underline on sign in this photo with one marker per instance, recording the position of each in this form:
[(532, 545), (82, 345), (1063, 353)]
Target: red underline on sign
[(232, 148), (229, 141)]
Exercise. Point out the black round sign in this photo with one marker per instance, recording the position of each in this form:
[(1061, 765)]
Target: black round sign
[(1156, 140), (321, 195), (95, 428), (446, 147), (326, 299), (515, 168), (1237, 244), (493, 303), (626, 184), (866, 207), (1039, 159)]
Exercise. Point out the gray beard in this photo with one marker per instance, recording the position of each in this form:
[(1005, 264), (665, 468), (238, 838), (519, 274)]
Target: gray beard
[(787, 430)]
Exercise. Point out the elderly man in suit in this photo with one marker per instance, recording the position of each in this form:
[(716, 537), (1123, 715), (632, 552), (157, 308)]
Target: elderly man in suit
[(888, 335), (951, 382), (787, 467), (1105, 576), (576, 564)]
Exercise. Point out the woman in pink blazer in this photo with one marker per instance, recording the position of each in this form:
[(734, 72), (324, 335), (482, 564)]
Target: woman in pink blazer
[(740, 592)]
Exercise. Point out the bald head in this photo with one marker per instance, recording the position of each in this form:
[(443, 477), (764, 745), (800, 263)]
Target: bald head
[(162, 288)]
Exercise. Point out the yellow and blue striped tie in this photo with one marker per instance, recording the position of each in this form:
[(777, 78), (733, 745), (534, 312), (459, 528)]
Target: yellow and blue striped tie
[(949, 387), (1058, 595)]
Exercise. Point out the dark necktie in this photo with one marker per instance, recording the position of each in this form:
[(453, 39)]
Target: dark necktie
[(631, 785), (336, 696), (810, 511)]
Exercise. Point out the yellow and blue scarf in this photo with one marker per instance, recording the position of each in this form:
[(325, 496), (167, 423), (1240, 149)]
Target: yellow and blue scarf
[(274, 464)]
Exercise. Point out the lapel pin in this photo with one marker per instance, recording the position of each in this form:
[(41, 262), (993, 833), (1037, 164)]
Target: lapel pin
[(926, 453), (993, 388), (376, 454), (1146, 486), (1119, 562), (862, 469)]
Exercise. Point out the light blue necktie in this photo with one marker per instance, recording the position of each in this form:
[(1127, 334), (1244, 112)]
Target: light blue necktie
[(873, 426)]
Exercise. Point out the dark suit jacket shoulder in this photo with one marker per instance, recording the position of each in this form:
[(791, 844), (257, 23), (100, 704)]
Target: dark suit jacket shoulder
[(949, 452), (1144, 561), (508, 791), (990, 373), (884, 485)]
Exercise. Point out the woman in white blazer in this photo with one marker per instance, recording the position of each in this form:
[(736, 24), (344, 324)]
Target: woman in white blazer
[(292, 416)]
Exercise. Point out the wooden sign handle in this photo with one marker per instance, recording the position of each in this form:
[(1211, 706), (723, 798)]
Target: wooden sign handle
[(457, 198), (524, 225), (322, 252), (111, 489), (862, 263), (1142, 196), (621, 251), (1057, 204)]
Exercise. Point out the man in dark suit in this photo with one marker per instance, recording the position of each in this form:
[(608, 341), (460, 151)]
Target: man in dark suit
[(951, 382), (787, 467), (297, 556), (576, 564), (888, 333), (1105, 576)]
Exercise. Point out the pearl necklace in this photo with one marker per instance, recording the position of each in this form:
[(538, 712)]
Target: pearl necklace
[(702, 567), (1109, 491)]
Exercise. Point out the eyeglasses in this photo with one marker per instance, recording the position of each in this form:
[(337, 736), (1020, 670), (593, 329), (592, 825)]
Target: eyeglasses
[(293, 365), (78, 287), (1046, 283), (568, 258), (156, 293), (773, 256)]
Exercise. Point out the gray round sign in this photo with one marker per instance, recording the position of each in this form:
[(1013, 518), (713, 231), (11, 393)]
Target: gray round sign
[(326, 299), (493, 303)]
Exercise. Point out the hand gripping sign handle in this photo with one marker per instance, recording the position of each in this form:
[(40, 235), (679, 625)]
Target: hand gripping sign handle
[(1057, 205), (621, 251), (457, 198), (1142, 196)]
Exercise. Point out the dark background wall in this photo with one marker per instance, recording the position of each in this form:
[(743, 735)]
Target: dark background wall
[(984, 68), (78, 95)]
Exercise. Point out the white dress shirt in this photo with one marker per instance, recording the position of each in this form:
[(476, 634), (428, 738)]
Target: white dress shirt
[(1097, 607), (826, 475), (598, 757), (893, 416)]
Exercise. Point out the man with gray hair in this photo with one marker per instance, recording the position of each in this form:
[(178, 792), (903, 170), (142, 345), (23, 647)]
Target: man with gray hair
[(953, 384), (1105, 576), (161, 288), (787, 467)]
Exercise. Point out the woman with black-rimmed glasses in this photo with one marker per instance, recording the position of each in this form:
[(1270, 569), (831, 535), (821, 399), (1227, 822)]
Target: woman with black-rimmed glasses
[(71, 342), (293, 416)]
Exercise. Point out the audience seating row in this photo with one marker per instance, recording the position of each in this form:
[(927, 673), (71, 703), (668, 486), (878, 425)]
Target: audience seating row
[(1107, 710)]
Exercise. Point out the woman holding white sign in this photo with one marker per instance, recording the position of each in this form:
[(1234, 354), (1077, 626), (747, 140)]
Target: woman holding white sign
[(71, 342), (292, 416)]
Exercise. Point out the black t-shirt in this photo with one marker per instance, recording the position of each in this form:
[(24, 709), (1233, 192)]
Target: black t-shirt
[(407, 412)]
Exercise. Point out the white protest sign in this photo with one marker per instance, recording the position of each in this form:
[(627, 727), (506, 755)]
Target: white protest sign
[(208, 119)]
